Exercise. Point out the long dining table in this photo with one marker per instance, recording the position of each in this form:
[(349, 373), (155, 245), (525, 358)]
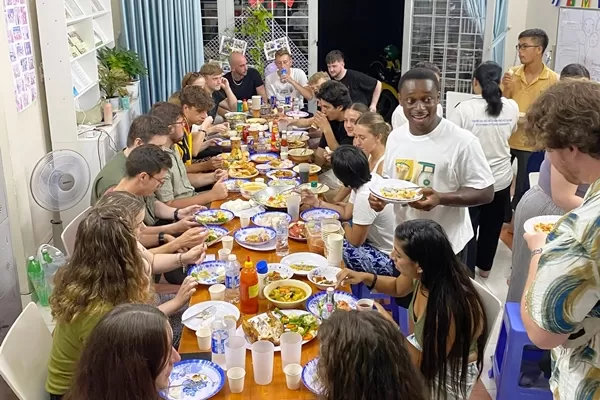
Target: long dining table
[(277, 388)]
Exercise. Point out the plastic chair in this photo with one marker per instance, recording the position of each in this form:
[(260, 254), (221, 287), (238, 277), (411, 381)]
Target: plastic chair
[(70, 232), (492, 306), (510, 353), (24, 355), (400, 314)]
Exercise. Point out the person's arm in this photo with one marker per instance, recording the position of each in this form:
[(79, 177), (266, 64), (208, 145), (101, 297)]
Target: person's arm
[(328, 137), (376, 95), (262, 92), (187, 289), (231, 101), (218, 192), (201, 179), (356, 234), (301, 123), (395, 287), (342, 193), (168, 262), (563, 191), (320, 156)]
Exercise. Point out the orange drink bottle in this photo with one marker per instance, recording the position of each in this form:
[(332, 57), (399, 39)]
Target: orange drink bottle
[(249, 288)]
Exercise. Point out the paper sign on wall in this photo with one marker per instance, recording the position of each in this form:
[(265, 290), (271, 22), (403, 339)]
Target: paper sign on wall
[(20, 50)]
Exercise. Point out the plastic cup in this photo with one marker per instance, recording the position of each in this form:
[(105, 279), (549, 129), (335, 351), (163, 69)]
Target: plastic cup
[(284, 155), (244, 221), (217, 292), (235, 352), (293, 373), (236, 376), (304, 170), (262, 361), (227, 242), (293, 206), (224, 254), (335, 245), (203, 335), (256, 102), (231, 326), (260, 180), (365, 305), (291, 348)]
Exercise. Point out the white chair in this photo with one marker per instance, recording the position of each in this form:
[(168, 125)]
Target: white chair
[(24, 355), (492, 306), (70, 232), (534, 177)]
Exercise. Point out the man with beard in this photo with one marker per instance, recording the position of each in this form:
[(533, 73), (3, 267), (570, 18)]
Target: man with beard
[(244, 81), (446, 161)]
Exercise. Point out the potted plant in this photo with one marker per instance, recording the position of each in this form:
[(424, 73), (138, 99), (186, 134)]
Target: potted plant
[(127, 60), (256, 27), (113, 84)]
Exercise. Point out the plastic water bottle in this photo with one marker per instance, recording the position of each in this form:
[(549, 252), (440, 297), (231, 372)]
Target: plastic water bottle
[(36, 276), (219, 337), (52, 266), (262, 270), (282, 247), (261, 143), (232, 280), (329, 304)]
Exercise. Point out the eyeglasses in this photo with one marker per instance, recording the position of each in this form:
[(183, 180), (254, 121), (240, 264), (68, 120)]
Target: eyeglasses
[(160, 182), (177, 123), (525, 46)]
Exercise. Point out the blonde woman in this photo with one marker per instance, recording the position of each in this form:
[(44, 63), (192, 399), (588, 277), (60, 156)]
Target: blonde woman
[(106, 269)]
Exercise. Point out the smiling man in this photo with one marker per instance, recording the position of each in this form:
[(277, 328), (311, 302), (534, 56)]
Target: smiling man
[(435, 154)]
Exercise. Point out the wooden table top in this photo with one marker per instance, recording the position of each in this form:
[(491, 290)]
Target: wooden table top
[(277, 388)]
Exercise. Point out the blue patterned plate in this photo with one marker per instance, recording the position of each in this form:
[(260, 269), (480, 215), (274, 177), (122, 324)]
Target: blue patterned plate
[(281, 174), (266, 219), (250, 236), (284, 182), (317, 214), (262, 158), (214, 216), (201, 379), (208, 273), (314, 303), (310, 378), (233, 185), (215, 234)]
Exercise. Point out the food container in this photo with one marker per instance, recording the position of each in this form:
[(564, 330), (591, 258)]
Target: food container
[(313, 237), (329, 273), (248, 190), (300, 155), (263, 168), (263, 196), (235, 118), (288, 282)]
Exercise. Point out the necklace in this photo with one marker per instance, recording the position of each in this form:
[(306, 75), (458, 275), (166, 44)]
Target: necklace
[(235, 83)]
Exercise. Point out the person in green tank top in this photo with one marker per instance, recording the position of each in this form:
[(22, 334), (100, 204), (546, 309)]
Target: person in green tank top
[(446, 309)]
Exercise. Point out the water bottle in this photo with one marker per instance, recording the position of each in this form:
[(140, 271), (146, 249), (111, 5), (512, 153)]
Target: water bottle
[(219, 337), (36, 276), (232, 280), (282, 247), (329, 304), (262, 270), (261, 143), (51, 267), (296, 104)]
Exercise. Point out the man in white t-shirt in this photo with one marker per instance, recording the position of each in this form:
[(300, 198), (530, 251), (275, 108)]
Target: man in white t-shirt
[(283, 83), (445, 160)]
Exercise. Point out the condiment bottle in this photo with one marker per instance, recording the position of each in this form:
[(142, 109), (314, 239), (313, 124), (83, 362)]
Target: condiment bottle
[(249, 289)]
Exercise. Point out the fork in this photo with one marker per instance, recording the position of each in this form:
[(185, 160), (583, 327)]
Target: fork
[(204, 314)]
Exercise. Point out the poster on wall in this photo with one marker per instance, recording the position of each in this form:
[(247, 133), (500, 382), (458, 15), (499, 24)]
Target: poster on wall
[(20, 50)]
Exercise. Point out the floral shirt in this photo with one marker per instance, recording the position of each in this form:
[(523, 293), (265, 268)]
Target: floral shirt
[(565, 299)]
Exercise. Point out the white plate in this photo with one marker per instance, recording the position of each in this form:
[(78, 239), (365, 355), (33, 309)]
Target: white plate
[(376, 186), (284, 270), (297, 114), (241, 235), (309, 376), (271, 175), (212, 212), (254, 157), (284, 182), (314, 169), (285, 164), (215, 269), (223, 309), (530, 224), (330, 273), (265, 219), (304, 258), (240, 330), (233, 184), (322, 188)]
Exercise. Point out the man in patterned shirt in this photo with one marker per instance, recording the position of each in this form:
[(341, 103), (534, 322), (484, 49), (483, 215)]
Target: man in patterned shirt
[(561, 302)]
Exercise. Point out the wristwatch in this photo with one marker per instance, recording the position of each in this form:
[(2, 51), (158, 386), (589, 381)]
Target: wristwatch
[(161, 238), (175, 216), (536, 252)]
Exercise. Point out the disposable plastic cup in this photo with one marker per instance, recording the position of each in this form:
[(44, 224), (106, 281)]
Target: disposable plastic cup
[(262, 361), (217, 292), (293, 206), (231, 326), (203, 335), (293, 373), (236, 377), (291, 348), (224, 254), (227, 242), (235, 352), (365, 304)]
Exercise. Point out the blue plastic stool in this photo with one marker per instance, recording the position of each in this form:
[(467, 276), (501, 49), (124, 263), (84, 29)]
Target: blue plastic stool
[(509, 354), (400, 314)]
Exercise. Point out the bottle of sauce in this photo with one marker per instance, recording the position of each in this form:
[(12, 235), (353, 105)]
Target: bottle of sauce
[(249, 289), (245, 105)]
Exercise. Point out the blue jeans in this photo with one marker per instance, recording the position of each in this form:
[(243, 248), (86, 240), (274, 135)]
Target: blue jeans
[(367, 258)]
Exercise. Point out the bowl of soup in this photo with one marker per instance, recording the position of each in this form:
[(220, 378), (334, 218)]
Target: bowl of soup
[(287, 293)]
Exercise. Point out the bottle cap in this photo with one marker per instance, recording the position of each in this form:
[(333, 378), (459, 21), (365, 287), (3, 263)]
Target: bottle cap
[(232, 257), (261, 267), (329, 290), (313, 184)]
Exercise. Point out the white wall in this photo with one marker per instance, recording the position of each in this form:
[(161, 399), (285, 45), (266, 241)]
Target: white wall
[(24, 139)]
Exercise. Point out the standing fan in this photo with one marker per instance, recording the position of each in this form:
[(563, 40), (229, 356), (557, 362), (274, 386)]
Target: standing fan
[(59, 181)]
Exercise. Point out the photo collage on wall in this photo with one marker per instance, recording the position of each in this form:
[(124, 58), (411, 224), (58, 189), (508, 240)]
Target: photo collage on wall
[(20, 48)]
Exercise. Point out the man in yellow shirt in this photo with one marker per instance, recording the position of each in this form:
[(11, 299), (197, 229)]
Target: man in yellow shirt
[(524, 84)]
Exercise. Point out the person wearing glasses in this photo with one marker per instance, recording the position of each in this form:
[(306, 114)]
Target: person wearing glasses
[(524, 84)]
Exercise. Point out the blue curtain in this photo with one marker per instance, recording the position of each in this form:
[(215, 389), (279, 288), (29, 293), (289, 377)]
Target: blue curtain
[(500, 30), (168, 37)]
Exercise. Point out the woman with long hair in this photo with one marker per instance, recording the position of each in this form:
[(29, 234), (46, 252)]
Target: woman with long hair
[(446, 310), (106, 269), (370, 135), (356, 344), (492, 118), (129, 355)]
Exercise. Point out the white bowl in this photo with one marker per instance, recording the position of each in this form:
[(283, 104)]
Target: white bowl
[(248, 190), (330, 273), (288, 282), (263, 168)]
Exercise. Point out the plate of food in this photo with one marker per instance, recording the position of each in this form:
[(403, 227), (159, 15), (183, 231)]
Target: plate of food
[(297, 114), (195, 379), (214, 216), (268, 218), (277, 272), (287, 293), (310, 376), (317, 214), (319, 189), (544, 224), (193, 319), (239, 206), (208, 273), (297, 136), (303, 263), (296, 145), (215, 233), (233, 185), (284, 182), (224, 143), (246, 172), (263, 158), (343, 301), (314, 169), (273, 198), (324, 277), (396, 191), (249, 189), (281, 164), (297, 231), (281, 174), (260, 121), (254, 236)]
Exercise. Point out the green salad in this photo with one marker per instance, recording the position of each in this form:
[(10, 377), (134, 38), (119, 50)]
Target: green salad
[(305, 324)]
